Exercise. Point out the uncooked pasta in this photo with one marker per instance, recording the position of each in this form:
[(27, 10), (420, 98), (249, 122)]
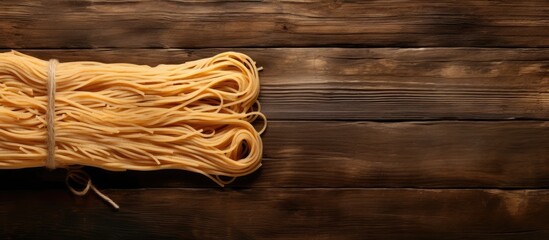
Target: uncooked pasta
[(196, 116)]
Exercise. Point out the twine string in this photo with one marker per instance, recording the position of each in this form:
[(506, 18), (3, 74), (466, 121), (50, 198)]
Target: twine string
[(50, 114), (77, 175)]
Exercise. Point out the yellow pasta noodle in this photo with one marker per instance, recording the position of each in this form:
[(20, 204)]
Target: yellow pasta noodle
[(194, 116)]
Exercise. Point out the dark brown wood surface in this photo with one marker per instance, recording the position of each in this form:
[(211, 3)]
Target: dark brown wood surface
[(387, 120), (224, 23), (281, 213)]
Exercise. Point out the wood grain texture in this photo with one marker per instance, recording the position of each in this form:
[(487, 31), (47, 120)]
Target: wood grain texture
[(459, 154), (378, 84), (432, 121), (218, 23), (302, 213)]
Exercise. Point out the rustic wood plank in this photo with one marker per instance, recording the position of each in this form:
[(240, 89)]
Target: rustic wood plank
[(378, 84), (279, 214), (512, 154), (218, 23)]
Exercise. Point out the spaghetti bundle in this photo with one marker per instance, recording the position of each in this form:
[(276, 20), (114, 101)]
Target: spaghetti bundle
[(196, 116)]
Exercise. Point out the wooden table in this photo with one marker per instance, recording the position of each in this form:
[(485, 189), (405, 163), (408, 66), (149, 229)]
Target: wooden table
[(388, 120)]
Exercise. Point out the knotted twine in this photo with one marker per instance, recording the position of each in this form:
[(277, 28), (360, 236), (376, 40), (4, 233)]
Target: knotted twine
[(76, 174)]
